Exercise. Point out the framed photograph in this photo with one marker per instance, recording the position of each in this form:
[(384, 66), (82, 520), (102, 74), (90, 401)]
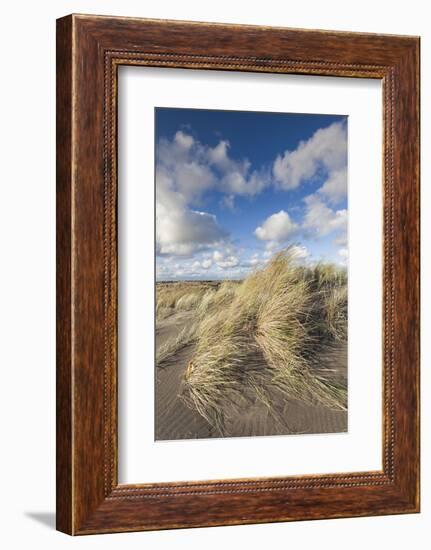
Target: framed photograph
[(237, 274)]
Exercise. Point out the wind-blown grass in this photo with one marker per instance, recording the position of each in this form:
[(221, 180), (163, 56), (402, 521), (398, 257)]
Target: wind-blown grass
[(268, 331), (180, 295), (171, 347)]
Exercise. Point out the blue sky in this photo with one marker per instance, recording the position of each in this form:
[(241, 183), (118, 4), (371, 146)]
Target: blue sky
[(233, 188)]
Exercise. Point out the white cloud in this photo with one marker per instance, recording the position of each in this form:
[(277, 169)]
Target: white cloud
[(218, 155), (188, 268), (206, 264), (194, 168), (253, 261), (218, 256), (326, 149), (226, 258), (185, 171), (335, 187), (224, 263), (235, 176), (278, 227), (192, 180), (299, 252), (181, 231), (239, 181), (230, 261), (321, 220), (183, 140)]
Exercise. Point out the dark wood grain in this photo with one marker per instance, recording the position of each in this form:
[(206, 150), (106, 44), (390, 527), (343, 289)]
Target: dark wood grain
[(64, 496), (90, 49)]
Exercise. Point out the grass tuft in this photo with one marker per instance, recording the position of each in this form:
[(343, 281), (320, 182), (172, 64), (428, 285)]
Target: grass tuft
[(265, 332)]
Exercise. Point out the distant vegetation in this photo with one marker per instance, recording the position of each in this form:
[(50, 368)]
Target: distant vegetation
[(267, 331)]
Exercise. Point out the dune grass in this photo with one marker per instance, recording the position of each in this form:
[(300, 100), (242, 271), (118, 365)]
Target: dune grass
[(171, 347), (172, 299), (180, 296), (267, 331)]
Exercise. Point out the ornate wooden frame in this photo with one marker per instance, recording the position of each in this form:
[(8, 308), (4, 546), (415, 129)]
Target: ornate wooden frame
[(89, 51)]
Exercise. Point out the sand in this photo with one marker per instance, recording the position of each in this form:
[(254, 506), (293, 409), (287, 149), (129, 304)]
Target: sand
[(174, 420)]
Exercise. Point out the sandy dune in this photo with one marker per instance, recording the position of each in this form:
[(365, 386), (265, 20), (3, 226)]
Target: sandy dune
[(174, 420)]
